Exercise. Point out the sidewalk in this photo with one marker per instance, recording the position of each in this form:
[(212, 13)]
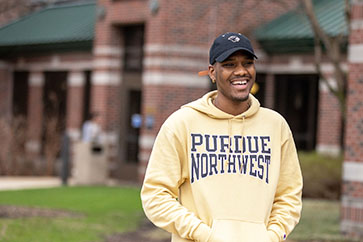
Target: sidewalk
[(27, 182)]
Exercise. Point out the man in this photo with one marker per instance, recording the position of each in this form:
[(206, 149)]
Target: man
[(91, 129), (222, 167)]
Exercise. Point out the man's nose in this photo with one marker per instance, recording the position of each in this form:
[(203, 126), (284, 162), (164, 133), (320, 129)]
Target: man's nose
[(240, 70)]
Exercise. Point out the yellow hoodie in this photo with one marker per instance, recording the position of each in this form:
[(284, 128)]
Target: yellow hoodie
[(215, 177)]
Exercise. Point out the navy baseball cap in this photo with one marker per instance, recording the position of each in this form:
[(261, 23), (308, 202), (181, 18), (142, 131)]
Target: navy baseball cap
[(228, 43), (225, 45)]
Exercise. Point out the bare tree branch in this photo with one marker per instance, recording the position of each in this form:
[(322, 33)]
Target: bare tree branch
[(333, 46)]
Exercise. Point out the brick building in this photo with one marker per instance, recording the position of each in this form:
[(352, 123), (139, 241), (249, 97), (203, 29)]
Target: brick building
[(352, 197), (121, 57)]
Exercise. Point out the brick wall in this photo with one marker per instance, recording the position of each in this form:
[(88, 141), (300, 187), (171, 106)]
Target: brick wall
[(352, 197)]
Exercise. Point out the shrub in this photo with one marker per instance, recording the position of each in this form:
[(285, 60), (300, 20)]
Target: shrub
[(322, 175)]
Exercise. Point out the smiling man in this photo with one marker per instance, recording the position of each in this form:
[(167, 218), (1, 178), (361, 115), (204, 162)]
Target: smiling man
[(224, 169)]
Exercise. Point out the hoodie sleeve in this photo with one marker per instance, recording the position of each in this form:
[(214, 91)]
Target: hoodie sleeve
[(287, 204), (159, 193)]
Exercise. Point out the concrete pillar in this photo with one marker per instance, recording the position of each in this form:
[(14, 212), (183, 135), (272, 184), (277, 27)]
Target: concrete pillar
[(35, 113)]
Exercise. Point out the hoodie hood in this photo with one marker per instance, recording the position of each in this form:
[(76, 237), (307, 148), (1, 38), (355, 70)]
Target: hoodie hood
[(205, 105)]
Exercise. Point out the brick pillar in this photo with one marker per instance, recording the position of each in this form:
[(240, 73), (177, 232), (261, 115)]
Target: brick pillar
[(329, 122), (35, 113), (170, 80), (76, 82), (352, 197), (270, 90), (106, 77)]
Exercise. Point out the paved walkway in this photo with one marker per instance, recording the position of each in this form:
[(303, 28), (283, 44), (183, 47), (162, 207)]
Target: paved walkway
[(27, 182)]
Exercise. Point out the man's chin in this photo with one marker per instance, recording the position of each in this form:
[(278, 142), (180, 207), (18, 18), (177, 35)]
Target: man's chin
[(241, 98)]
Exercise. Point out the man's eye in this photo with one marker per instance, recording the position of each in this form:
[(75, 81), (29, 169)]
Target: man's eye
[(228, 65), (247, 64)]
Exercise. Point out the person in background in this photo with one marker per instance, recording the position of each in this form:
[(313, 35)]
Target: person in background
[(91, 130)]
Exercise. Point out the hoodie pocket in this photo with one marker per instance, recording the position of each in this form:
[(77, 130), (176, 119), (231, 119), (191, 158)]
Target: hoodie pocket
[(237, 231)]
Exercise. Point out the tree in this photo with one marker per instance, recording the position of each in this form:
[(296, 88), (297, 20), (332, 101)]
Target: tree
[(333, 51)]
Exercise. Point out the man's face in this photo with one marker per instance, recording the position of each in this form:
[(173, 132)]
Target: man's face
[(234, 77)]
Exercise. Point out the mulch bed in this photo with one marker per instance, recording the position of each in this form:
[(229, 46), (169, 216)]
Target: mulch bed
[(147, 232), (22, 212)]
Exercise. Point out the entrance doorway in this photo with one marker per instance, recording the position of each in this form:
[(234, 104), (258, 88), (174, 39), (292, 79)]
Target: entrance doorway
[(296, 98), (131, 120)]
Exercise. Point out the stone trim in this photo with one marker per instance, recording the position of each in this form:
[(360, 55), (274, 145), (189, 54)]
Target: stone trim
[(36, 79), (112, 78), (175, 79), (109, 50), (327, 149), (175, 62), (146, 141), (351, 202), (352, 171), (76, 79), (355, 53), (177, 49)]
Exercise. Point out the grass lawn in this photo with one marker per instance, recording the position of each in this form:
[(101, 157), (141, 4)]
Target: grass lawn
[(319, 222), (99, 211), (102, 211)]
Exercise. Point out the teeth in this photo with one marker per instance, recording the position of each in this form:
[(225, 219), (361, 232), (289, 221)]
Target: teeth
[(239, 82)]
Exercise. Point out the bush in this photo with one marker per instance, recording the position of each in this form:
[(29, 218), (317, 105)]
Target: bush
[(322, 175)]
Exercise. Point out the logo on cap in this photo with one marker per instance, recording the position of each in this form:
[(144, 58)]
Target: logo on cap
[(234, 38)]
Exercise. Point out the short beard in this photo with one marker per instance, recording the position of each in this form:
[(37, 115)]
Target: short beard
[(244, 99)]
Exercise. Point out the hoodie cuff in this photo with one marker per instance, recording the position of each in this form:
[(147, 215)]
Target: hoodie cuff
[(202, 233), (273, 236)]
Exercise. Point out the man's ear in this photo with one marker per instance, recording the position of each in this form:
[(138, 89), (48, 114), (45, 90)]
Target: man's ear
[(212, 73)]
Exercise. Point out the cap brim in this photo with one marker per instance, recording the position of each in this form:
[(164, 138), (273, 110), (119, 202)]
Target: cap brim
[(229, 52)]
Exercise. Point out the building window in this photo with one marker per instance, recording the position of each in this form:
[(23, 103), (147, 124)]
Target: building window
[(134, 43)]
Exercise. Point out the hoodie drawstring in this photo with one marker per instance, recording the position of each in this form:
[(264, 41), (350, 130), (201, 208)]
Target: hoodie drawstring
[(229, 142), (242, 129)]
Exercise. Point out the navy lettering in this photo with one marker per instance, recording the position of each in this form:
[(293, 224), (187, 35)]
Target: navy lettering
[(222, 159), (204, 165), (214, 141), (236, 144), (250, 148), (212, 154), (195, 167), (194, 142), (213, 164), (260, 161), (233, 164), (252, 160), (267, 161), (224, 144), (264, 140)]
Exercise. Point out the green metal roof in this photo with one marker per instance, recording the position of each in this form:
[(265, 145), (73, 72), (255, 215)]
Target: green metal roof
[(292, 32), (67, 26)]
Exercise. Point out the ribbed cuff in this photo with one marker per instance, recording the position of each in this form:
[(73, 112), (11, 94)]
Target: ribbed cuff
[(201, 234), (273, 236)]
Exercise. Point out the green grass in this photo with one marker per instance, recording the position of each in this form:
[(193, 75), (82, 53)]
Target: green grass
[(319, 222), (104, 210), (108, 210)]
